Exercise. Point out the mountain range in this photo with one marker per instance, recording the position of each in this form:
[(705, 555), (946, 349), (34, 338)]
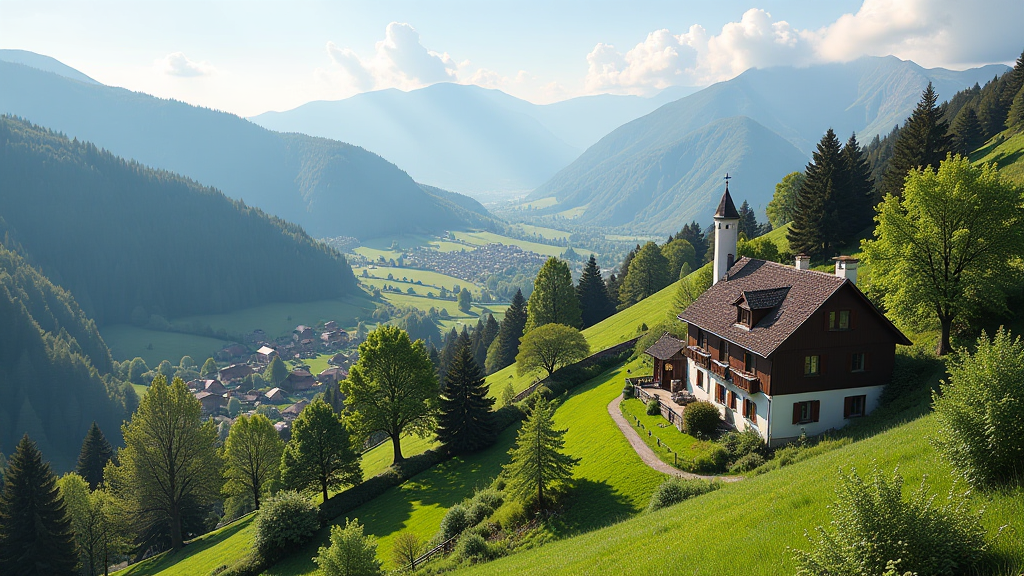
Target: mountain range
[(467, 138), (329, 188), (634, 173)]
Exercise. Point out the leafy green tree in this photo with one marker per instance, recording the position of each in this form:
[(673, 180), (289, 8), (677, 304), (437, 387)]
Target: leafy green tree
[(187, 363), (86, 520), (967, 132), (760, 248), (509, 333), (680, 253), (209, 369), (465, 300), (648, 273), (944, 249), (234, 407), (921, 142), (981, 425), (783, 204), (165, 369), (554, 297), (350, 553), (538, 466), (693, 234), (593, 294), (320, 452), (690, 288), (136, 369), (276, 372), (253, 452), (392, 387), (36, 536), (465, 421), (815, 219), (287, 520), (405, 549), (95, 454), (550, 347), (170, 458)]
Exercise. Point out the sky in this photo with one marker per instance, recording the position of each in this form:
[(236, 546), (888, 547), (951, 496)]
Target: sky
[(249, 57)]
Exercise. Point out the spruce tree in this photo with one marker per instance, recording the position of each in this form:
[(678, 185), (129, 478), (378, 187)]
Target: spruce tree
[(1012, 83), (554, 297), (96, 452), (693, 234), (276, 371), (465, 422), (813, 228), (511, 330), (1015, 118), (593, 295), (967, 132), (538, 465), (855, 207), (448, 353), (748, 221), (35, 528), (487, 335), (921, 142)]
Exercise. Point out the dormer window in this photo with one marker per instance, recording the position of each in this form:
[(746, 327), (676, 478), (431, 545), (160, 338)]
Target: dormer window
[(839, 320), (743, 316)]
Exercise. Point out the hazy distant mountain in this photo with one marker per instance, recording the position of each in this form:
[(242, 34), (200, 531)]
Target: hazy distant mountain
[(868, 96), (467, 138), (330, 188), (45, 63)]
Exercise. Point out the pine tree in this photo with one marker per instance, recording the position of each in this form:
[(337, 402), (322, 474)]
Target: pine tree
[(693, 234), (855, 208), (35, 529), (814, 220), (538, 465), (967, 132), (748, 221), (1015, 118), (488, 333), (554, 297), (922, 142), (96, 452), (592, 294), (1013, 82), (466, 421), (447, 353), (511, 330), (648, 273)]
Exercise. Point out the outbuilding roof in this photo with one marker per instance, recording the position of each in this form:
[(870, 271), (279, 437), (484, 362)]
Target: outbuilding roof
[(666, 347)]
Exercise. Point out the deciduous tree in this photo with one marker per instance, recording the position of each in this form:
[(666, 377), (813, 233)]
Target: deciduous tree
[(648, 273), (550, 347), (392, 388), (553, 300), (538, 465), (209, 369), (253, 454), (679, 253), (944, 249), (465, 300), (350, 553), (320, 453), (276, 372), (783, 204)]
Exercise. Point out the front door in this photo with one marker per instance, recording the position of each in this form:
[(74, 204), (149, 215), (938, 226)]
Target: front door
[(668, 375)]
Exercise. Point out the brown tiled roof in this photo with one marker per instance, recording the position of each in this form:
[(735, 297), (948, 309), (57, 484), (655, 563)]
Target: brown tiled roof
[(802, 291), (666, 347)]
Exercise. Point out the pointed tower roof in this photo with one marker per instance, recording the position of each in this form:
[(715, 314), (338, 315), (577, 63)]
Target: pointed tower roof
[(726, 208)]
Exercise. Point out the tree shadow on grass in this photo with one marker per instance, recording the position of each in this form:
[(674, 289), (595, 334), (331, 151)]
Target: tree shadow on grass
[(191, 549), (590, 505)]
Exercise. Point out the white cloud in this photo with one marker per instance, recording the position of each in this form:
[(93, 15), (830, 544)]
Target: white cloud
[(399, 61), (177, 64), (930, 32)]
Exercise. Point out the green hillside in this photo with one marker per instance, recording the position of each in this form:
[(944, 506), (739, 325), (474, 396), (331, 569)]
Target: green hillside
[(1006, 151)]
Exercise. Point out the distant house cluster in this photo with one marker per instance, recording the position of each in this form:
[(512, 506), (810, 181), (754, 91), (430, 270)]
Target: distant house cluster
[(474, 265)]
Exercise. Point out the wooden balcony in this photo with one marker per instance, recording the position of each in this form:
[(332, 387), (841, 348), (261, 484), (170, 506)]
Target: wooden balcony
[(720, 369), (699, 356), (747, 381)]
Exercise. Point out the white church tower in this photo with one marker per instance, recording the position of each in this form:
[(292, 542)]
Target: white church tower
[(727, 231)]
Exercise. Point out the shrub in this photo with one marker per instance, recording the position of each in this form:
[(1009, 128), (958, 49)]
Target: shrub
[(700, 419), (981, 412), (477, 513), (747, 463), (654, 407), (285, 521), (455, 521), (627, 391), (472, 547), (740, 444), (708, 457), (510, 515), (350, 553), (798, 452), (873, 526), (490, 497), (675, 490)]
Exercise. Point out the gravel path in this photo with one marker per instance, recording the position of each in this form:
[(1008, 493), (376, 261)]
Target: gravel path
[(648, 455)]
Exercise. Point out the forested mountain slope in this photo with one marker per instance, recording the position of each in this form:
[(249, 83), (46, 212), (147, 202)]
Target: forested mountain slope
[(51, 356), (129, 240), (869, 96), (329, 188)]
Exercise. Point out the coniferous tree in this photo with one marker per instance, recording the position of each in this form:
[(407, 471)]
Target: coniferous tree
[(465, 422), (593, 295), (96, 452), (276, 371), (813, 222), (1015, 118), (748, 221), (510, 331), (648, 273), (855, 208), (538, 465), (554, 297), (35, 529), (693, 234), (488, 332), (967, 132), (921, 142), (447, 353), (1013, 82)]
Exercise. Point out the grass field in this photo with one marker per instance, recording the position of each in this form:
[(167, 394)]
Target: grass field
[(1006, 151), (280, 319), (671, 445), (127, 342), (572, 213), (546, 233), (482, 238), (538, 204), (430, 279)]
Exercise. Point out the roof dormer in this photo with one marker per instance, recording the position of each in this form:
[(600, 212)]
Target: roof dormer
[(753, 305)]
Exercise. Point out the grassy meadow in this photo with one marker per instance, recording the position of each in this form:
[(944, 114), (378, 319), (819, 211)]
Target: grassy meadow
[(126, 342)]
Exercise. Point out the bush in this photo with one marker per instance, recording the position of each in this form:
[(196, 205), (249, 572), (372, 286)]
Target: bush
[(472, 547), (627, 391), (675, 490), (285, 521), (362, 493), (700, 419), (708, 457), (455, 522), (873, 526), (654, 407), (490, 497), (350, 553), (747, 463), (981, 412), (798, 452), (740, 444), (510, 515)]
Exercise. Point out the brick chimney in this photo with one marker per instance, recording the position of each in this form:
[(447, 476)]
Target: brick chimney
[(846, 267), (803, 262)]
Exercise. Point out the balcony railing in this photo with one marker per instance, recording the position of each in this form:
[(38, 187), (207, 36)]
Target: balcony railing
[(698, 355), (747, 381), (720, 369)]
